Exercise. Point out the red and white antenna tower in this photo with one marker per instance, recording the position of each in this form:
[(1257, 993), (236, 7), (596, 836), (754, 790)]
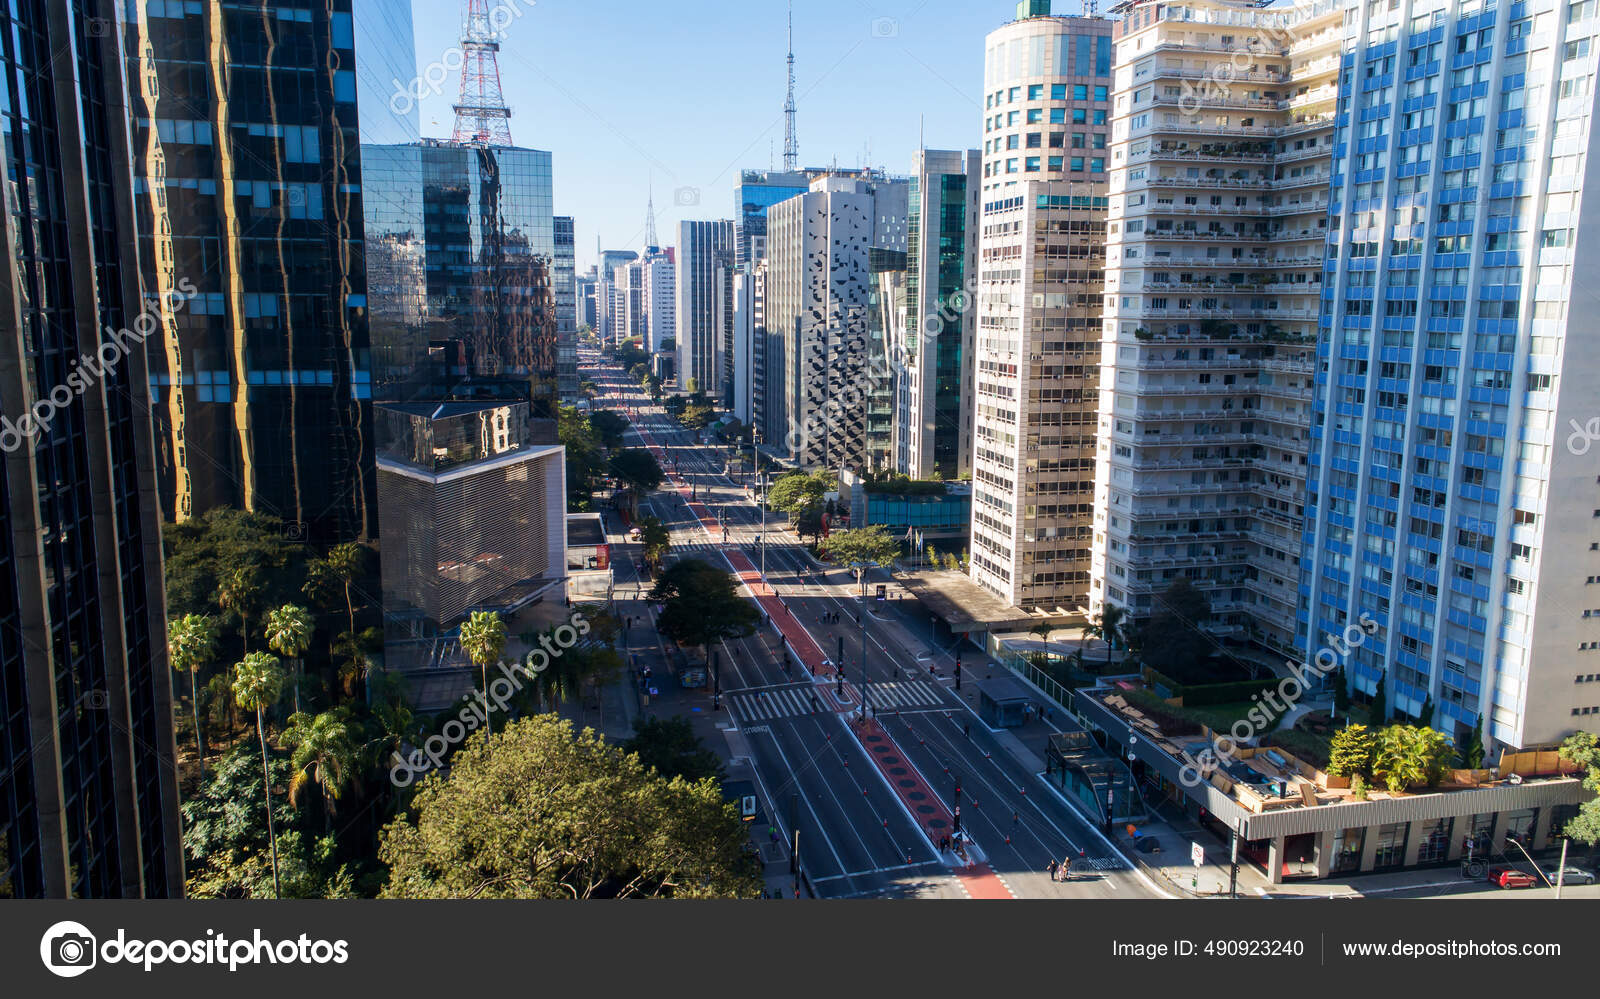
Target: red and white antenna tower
[(481, 111)]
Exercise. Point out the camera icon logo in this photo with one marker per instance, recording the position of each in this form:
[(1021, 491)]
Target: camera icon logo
[(294, 531), (68, 949), (686, 197), (885, 27)]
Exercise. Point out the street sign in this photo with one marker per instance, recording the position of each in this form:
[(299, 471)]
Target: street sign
[(747, 807), (1197, 853)]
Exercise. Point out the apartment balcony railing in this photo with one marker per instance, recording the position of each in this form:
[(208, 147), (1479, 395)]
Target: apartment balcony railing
[(1213, 155), (1305, 180), (1298, 208), (1210, 73), (1260, 183), (1295, 155), (1175, 209), (1213, 97)]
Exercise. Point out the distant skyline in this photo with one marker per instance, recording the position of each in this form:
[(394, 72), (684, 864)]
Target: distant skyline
[(680, 97)]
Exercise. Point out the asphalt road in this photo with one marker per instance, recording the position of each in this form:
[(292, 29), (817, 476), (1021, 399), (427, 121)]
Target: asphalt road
[(858, 836)]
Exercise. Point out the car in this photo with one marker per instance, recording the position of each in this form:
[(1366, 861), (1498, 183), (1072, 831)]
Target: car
[(1570, 876), (1510, 877)]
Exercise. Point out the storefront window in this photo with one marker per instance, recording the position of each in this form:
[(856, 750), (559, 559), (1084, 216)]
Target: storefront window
[(1347, 850), (1391, 845), (1435, 841), (1519, 826)]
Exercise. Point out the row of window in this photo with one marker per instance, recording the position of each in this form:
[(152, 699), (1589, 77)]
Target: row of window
[(1031, 164)]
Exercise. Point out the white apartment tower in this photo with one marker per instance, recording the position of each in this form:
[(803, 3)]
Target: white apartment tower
[(1040, 268), (1222, 136)]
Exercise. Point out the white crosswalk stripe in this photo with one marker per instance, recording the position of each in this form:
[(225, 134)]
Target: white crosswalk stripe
[(902, 694), (763, 705)]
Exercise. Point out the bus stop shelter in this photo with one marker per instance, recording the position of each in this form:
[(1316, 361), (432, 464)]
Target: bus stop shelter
[(1002, 701)]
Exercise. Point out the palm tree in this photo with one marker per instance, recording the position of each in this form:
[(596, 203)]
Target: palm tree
[(289, 631), (257, 684), (324, 755), (345, 562), (355, 654), (191, 642), (1043, 630), (237, 592), (1107, 628), (483, 638)]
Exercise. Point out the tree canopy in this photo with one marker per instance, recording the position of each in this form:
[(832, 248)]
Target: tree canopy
[(670, 746), (701, 605), (1173, 639), (654, 539), (637, 469), (540, 812), (865, 544), (798, 492), (1583, 749)]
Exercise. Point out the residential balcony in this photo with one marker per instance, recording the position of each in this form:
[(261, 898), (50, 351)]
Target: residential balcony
[(1211, 73)]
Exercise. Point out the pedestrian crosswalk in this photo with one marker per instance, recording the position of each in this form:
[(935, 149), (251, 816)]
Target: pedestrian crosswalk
[(788, 702), (902, 694), (781, 702)]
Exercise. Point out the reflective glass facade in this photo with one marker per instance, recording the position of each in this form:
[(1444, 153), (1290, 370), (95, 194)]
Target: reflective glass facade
[(88, 782), (248, 134)]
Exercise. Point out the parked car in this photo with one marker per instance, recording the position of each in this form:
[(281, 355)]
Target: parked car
[(1510, 877), (1570, 876)]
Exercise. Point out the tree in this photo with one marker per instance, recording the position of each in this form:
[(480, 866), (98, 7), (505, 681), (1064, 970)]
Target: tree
[(1351, 752), (1175, 640), (191, 642), (585, 463), (1472, 752), (1044, 631), (701, 605), (341, 568), (200, 550), (257, 684), (863, 544), (551, 814), (238, 591), (322, 754), (1108, 627), (654, 539), (1378, 709), (222, 828), (637, 470), (288, 632), (609, 427), (698, 417), (670, 747), (1341, 692), (483, 639), (798, 492), (809, 522), (1583, 749), (1425, 715), (1408, 755)]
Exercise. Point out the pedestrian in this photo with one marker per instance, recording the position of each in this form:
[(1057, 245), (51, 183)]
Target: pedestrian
[(1066, 868), (1053, 868)]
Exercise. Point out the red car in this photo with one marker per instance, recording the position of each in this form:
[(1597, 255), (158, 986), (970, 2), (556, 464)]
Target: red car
[(1509, 877)]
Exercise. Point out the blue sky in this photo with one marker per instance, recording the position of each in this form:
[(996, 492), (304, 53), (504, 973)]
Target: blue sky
[(682, 95)]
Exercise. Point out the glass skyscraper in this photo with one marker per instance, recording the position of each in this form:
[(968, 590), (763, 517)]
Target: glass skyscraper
[(88, 779), (465, 383), (1454, 492), (248, 134)]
